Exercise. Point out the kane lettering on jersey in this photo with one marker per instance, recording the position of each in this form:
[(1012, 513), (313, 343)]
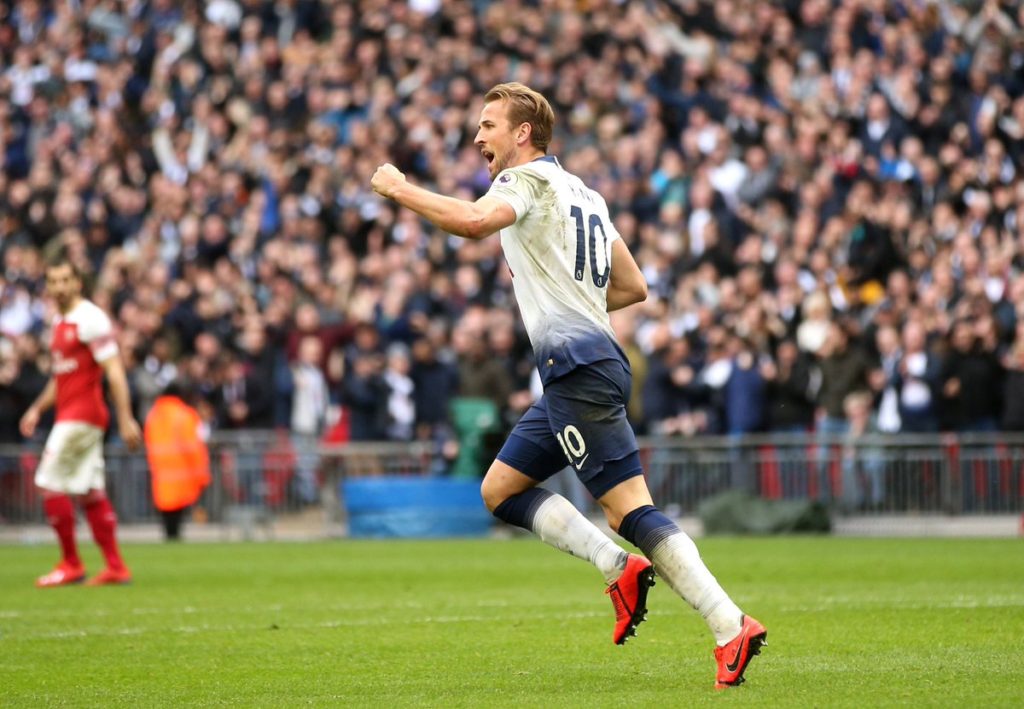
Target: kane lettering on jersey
[(559, 250), (80, 340)]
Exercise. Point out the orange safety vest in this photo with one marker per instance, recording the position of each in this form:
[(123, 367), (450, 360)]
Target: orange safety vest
[(178, 458)]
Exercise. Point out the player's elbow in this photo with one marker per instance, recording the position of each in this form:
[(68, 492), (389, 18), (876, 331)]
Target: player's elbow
[(641, 291), (469, 231), (638, 291), (474, 227), (482, 218)]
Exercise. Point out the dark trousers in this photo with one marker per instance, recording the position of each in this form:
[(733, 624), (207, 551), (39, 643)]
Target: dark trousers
[(172, 523)]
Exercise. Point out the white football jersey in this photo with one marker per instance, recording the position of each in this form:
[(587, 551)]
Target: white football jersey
[(559, 252)]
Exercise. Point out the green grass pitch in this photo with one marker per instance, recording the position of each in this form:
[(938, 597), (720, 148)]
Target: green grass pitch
[(852, 622)]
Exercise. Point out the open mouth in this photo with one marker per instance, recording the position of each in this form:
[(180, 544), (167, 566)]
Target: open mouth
[(488, 156)]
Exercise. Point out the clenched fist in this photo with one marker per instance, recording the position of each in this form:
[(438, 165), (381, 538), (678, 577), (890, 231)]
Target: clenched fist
[(386, 179)]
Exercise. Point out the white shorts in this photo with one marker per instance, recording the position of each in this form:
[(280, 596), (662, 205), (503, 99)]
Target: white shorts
[(72, 460)]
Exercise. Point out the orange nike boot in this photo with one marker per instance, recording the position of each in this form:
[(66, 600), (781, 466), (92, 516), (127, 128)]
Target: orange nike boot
[(111, 577), (629, 596), (63, 574), (734, 657)]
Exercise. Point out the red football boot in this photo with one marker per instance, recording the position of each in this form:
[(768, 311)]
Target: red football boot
[(629, 596), (734, 657), (63, 574), (111, 577)]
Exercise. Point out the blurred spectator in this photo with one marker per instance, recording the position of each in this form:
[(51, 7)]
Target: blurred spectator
[(244, 400), (332, 337), (401, 393), (863, 464), (365, 394), (12, 399), (791, 388), (917, 381), (480, 375), (671, 390), (21, 381), (972, 382), (152, 376), (20, 384), (744, 391), (887, 344), (845, 368), (435, 382), (1013, 393), (308, 415)]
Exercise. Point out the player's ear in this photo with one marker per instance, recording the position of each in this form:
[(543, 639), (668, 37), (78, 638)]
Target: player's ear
[(524, 133)]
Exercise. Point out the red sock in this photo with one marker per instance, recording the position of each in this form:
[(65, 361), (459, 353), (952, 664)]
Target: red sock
[(60, 513), (104, 530)]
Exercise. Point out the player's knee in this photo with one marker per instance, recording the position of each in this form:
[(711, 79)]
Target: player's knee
[(92, 496), (492, 493), (615, 509), (613, 517)]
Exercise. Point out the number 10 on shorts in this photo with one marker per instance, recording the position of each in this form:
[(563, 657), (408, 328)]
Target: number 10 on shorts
[(573, 445)]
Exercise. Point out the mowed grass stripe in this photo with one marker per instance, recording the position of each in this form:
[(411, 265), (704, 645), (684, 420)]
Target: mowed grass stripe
[(548, 612), (510, 624)]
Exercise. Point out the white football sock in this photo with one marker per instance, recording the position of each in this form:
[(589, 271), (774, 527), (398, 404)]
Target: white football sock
[(677, 560), (562, 526)]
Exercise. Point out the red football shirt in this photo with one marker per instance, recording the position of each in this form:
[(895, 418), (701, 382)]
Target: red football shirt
[(80, 340)]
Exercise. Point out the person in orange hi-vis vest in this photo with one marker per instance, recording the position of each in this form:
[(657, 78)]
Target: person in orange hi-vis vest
[(179, 461)]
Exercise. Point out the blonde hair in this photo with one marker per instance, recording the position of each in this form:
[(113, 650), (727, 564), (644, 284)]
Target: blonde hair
[(856, 399), (817, 305), (526, 106)]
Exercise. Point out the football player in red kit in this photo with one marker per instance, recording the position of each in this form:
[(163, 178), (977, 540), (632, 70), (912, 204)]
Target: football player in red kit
[(71, 468)]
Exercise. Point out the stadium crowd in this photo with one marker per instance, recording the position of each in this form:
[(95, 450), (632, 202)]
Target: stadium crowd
[(826, 197)]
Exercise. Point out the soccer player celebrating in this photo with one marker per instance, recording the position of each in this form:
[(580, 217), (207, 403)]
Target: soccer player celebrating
[(570, 268), (83, 350)]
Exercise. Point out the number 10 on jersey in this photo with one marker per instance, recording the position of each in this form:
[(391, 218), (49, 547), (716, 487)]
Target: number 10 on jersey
[(587, 231)]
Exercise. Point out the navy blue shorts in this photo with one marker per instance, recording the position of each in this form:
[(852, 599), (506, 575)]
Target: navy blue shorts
[(580, 421)]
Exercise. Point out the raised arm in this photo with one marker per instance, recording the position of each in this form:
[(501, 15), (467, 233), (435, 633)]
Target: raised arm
[(627, 284), (472, 220)]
